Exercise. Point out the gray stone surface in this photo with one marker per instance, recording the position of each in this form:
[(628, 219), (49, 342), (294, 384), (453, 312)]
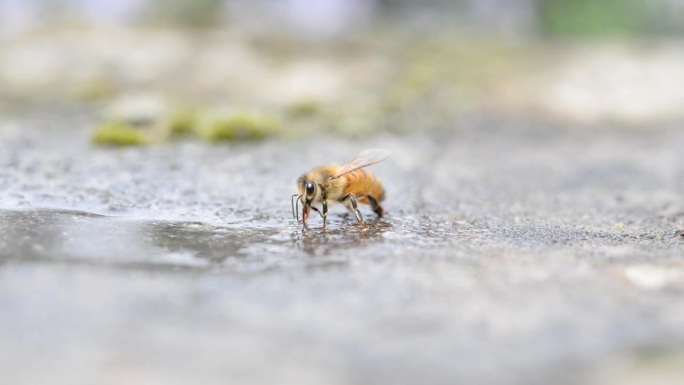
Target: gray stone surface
[(513, 253)]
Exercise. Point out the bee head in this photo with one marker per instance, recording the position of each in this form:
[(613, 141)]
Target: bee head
[(309, 190)]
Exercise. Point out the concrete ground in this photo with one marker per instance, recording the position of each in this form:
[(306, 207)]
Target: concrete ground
[(512, 252)]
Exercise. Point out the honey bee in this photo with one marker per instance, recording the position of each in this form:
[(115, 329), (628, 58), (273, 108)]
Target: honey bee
[(348, 184)]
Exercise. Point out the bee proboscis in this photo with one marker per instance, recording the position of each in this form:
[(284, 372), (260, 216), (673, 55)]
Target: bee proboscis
[(349, 184)]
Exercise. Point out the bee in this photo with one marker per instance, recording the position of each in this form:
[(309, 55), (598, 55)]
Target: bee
[(348, 184)]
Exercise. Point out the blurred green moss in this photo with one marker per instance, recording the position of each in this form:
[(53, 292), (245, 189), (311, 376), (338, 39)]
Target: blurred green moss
[(303, 108), (215, 127), (183, 121), (119, 134), (594, 18), (196, 13)]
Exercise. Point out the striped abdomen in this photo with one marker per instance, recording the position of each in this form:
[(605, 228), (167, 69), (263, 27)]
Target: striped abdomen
[(363, 182)]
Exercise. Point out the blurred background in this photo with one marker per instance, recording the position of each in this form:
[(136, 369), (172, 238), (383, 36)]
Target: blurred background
[(534, 192), (348, 67)]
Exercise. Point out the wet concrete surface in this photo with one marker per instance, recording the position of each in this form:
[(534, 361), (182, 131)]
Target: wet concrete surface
[(512, 253)]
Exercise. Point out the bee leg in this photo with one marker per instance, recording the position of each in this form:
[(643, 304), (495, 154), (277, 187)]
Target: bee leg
[(377, 209), (359, 217), (324, 214), (317, 210), (295, 206), (305, 213)]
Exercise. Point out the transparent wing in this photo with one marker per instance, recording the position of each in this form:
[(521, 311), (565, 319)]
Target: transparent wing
[(364, 159)]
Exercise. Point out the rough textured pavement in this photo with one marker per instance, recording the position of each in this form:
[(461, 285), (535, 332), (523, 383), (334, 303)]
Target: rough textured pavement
[(512, 253)]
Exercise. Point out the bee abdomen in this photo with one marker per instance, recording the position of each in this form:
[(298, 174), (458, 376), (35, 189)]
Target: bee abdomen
[(361, 182)]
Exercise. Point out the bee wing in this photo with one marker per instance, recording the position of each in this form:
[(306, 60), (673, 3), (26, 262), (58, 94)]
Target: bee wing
[(365, 158)]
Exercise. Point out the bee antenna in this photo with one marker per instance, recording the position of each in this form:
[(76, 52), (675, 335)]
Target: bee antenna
[(295, 211)]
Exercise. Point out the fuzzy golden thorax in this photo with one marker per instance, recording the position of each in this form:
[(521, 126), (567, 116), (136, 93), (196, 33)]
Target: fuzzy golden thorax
[(323, 186)]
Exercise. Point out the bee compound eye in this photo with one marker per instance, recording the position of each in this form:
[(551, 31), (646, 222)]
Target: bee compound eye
[(310, 188)]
